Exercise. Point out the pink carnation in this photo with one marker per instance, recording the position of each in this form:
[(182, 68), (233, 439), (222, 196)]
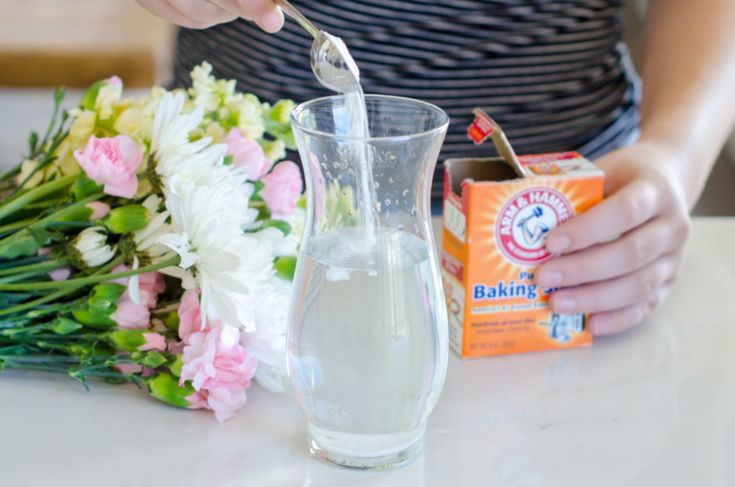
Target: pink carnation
[(247, 154), (219, 368), (190, 315), (282, 187), (129, 314), (112, 162)]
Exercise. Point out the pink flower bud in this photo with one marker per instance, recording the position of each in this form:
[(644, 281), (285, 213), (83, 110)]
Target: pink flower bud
[(99, 210), (153, 341), (247, 154), (282, 188)]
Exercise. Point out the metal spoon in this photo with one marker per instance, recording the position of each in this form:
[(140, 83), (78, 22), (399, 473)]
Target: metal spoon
[(331, 62)]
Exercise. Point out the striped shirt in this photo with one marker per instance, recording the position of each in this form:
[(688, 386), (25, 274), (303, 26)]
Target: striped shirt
[(554, 73)]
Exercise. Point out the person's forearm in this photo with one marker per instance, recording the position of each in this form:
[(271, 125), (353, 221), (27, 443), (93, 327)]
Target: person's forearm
[(689, 83)]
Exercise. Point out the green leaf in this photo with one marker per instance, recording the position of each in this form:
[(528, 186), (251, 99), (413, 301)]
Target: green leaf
[(281, 225), (107, 292), (32, 143), (228, 160), (165, 387), (21, 243), (64, 326), (90, 96), (285, 267), (153, 360)]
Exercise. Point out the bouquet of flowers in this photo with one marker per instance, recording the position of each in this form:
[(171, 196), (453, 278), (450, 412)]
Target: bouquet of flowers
[(152, 241)]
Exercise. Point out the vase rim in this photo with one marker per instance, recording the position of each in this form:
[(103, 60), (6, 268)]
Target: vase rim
[(441, 127)]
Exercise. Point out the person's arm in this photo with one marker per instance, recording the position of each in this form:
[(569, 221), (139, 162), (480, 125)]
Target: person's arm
[(624, 254), (689, 92), (199, 14)]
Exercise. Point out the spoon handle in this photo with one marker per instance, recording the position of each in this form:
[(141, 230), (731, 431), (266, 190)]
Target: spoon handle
[(298, 17)]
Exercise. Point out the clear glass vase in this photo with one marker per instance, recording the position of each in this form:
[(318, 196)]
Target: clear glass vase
[(367, 336)]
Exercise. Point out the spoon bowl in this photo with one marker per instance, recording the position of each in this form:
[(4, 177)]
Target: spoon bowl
[(331, 62)]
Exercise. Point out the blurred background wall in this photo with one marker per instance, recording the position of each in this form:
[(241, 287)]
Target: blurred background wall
[(45, 43)]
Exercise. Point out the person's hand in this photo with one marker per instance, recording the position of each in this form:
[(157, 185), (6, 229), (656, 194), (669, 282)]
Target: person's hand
[(199, 14), (618, 260)]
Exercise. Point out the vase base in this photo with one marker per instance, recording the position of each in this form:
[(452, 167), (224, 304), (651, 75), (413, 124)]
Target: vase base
[(329, 447)]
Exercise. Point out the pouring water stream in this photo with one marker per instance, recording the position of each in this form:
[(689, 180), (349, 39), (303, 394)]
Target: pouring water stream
[(336, 70)]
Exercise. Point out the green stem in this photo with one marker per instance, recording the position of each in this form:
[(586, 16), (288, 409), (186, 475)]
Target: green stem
[(22, 261), (11, 172), (68, 209), (58, 294), (35, 194), (44, 266), (53, 309), (22, 276), (84, 281), (11, 227)]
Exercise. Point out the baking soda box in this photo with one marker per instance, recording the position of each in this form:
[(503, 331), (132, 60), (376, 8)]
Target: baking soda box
[(497, 213)]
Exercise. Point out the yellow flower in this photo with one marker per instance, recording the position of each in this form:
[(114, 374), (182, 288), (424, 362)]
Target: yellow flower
[(135, 123), (216, 132), (249, 114), (83, 126), (28, 166)]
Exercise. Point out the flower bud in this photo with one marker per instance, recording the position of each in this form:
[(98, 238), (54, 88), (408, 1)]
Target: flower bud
[(165, 387), (281, 111), (90, 248), (137, 340), (126, 219)]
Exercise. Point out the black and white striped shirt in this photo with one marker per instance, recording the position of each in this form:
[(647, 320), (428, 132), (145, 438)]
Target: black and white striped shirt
[(554, 73)]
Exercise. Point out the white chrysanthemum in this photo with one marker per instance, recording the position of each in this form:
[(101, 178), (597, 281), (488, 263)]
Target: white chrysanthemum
[(281, 244), (170, 139), (268, 340), (229, 266)]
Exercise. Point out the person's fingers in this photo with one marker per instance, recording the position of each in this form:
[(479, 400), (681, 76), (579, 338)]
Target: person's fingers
[(166, 11), (611, 322), (265, 13), (616, 293), (271, 21), (629, 208), (633, 251), (193, 14)]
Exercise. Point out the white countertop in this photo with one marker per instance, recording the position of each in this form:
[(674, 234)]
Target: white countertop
[(654, 407)]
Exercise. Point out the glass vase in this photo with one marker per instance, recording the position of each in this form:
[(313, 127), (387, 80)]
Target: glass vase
[(367, 335)]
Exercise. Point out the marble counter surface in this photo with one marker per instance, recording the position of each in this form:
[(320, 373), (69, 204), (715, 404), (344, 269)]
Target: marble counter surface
[(654, 406)]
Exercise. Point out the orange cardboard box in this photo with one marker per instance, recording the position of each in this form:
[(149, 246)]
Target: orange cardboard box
[(495, 223)]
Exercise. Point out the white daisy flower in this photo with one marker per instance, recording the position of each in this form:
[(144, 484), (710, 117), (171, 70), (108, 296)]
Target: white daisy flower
[(229, 266), (170, 143)]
